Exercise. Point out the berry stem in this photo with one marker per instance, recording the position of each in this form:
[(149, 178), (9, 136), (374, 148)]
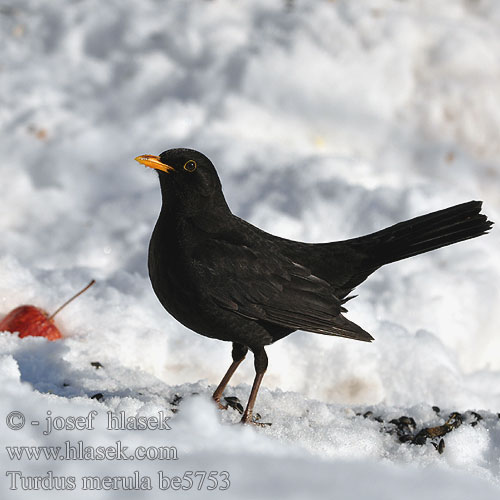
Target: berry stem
[(59, 309)]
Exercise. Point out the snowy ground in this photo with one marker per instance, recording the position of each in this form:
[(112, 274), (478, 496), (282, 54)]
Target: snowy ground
[(326, 120)]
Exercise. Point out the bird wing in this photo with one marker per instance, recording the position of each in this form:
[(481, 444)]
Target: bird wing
[(263, 285)]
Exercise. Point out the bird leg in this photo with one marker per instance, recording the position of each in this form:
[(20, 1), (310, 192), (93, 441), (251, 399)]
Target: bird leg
[(239, 352), (260, 363)]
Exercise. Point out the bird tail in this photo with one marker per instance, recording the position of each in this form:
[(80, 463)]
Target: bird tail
[(425, 233)]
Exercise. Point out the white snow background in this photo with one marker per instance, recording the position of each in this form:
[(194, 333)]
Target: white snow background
[(326, 120)]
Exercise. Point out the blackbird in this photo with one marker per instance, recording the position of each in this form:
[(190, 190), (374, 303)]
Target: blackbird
[(226, 279)]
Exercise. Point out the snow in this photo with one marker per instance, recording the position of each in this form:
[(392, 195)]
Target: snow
[(326, 120)]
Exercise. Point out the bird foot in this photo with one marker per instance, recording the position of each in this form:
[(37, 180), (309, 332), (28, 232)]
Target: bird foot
[(220, 405), (254, 420)]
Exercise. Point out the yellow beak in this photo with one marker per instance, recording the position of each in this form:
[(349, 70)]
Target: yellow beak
[(154, 162)]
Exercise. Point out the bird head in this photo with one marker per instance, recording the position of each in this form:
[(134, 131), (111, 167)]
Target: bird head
[(188, 179)]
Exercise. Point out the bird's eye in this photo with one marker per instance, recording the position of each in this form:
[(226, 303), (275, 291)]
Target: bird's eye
[(190, 166)]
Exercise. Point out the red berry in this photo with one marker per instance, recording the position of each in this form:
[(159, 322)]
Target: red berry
[(30, 320)]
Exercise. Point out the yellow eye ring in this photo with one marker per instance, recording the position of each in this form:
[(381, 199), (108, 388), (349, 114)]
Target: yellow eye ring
[(190, 166)]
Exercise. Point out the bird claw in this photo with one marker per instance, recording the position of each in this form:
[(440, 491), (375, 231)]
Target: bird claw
[(254, 420)]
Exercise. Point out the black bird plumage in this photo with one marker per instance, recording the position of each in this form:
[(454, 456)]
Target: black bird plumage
[(226, 279)]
